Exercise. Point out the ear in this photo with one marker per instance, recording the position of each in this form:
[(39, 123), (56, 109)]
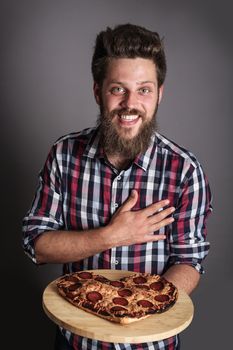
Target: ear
[(96, 91), (160, 93)]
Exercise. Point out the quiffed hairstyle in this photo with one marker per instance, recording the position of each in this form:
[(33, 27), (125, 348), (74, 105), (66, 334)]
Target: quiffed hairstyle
[(127, 41)]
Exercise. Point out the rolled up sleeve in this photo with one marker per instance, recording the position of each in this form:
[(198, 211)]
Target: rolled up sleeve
[(45, 213), (188, 239)]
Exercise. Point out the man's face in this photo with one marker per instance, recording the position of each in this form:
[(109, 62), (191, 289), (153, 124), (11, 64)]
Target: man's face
[(128, 101)]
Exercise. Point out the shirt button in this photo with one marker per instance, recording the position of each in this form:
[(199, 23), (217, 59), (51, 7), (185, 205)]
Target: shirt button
[(118, 177), (115, 205), (116, 262)]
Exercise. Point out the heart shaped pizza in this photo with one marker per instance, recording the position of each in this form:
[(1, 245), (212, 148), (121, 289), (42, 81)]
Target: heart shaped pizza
[(126, 300)]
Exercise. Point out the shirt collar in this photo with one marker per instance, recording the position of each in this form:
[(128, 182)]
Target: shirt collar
[(143, 160), (94, 150)]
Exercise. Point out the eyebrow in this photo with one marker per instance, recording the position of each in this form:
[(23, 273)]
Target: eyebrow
[(138, 82), (146, 82)]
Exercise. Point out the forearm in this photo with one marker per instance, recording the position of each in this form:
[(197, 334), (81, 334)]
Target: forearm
[(183, 277), (68, 246), (126, 227)]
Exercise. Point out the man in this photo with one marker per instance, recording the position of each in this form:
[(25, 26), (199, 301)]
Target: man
[(120, 195)]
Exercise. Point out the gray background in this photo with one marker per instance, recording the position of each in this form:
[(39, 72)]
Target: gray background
[(46, 91)]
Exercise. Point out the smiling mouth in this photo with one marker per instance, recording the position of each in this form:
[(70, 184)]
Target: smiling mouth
[(127, 116), (130, 118)]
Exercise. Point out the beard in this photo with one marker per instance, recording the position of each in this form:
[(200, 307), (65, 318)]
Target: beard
[(115, 144)]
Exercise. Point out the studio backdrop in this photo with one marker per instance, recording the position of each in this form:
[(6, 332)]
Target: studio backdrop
[(46, 92)]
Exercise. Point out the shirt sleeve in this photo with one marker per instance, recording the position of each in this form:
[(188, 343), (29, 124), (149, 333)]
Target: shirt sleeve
[(188, 239), (45, 213)]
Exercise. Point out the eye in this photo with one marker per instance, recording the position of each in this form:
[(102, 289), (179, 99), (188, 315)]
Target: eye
[(117, 90), (144, 90)]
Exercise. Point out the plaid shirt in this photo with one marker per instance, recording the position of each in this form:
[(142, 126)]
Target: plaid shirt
[(78, 189)]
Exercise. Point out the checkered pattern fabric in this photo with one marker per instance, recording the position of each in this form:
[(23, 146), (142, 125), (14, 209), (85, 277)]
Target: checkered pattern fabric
[(78, 189)]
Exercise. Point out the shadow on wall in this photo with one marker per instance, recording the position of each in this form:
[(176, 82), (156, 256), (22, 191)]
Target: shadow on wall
[(24, 282)]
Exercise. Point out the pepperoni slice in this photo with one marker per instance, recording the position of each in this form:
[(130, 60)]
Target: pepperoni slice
[(145, 303), (94, 296), (157, 285), (161, 298), (140, 280), (143, 286), (70, 295), (125, 292), (88, 305), (101, 279), (74, 287), (85, 275), (103, 312), (117, 284), (117, 308), (120, 301), (71, 279)]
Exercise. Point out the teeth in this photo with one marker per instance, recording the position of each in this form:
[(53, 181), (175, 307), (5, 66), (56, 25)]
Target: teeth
[(129, 117)]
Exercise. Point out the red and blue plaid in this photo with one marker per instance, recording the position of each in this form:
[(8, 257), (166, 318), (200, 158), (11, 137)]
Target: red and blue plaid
[(78, 189)]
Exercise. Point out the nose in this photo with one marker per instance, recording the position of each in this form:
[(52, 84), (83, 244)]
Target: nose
[(129, 100)]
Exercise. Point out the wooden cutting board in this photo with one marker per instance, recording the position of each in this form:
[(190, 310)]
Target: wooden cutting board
[(153, 328)]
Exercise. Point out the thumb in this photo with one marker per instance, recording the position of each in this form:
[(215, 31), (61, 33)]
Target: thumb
[(130, 202)]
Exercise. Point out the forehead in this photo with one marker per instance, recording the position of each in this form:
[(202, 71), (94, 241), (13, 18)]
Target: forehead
[(132, 69)]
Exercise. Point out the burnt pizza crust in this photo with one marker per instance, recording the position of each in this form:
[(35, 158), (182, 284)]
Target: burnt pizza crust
[(124, 301)]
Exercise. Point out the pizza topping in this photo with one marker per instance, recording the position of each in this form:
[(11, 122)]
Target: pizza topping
[(103, 312), (140, 280), (85, 275), (94, 296), (120, 301), (74, 287), (117, 284), (126, 300), (101, 279), (117, 308), (143, 286), (70, 295), (157, 286), (161, 298), (71, 279), (145, 303), (171, 290), (88, 305), (125, 292)]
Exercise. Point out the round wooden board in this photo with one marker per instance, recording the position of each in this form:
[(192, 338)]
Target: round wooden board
[(153, 328)]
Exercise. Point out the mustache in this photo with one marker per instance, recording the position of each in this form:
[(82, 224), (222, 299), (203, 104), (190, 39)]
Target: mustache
[(126, 111)]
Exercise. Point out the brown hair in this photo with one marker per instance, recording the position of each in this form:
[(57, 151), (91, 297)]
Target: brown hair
[(127, 41)]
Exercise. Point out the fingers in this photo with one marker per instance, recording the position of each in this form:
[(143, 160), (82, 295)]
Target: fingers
[(162, 223), (158, 221), (149, 219), (152, 237), (130, 202), (159, 217), (162, 219), (157, 226), (148, 211), (155, 207)]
